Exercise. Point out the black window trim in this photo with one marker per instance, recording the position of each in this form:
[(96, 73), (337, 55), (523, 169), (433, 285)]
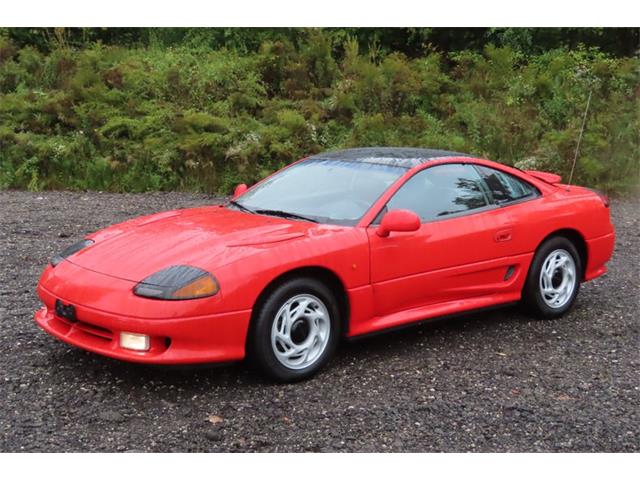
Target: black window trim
[(486, 191), (535, 192)]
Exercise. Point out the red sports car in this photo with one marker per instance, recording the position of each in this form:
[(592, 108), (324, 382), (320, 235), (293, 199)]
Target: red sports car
[(339, 244)]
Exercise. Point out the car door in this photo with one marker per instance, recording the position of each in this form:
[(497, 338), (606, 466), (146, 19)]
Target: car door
[(515, 197), (455, 254)]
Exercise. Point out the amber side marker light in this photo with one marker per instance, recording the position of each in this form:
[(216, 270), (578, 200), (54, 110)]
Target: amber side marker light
[(202, 287)]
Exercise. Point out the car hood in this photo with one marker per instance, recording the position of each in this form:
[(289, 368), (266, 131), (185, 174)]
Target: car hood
[(206, 237)]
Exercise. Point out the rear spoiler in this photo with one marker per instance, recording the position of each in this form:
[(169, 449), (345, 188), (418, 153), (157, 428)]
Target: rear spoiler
[(550, 178)]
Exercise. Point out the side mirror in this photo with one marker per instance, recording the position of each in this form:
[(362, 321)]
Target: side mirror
[(398, 221), (240, 189)]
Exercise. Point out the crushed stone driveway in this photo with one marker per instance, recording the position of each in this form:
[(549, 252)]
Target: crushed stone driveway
[(496, 381)]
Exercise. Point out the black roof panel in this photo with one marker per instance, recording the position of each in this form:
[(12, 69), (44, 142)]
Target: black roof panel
[(397, 156)]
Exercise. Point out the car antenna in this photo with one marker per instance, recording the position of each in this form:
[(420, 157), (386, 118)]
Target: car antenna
[(584, 122)]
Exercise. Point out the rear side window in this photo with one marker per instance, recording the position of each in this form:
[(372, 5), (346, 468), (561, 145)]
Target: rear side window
[(505, 187), (440, 191)]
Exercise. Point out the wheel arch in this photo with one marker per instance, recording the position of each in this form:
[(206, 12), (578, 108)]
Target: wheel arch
[(324, 274), (578, 240)]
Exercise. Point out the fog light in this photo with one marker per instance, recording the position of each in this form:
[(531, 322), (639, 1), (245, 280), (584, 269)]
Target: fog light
[(134, 341)]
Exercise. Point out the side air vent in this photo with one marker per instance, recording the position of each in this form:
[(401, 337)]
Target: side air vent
[(509, 272)]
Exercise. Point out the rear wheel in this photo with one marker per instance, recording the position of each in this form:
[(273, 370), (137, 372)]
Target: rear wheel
[(296, 330), (554, 278)]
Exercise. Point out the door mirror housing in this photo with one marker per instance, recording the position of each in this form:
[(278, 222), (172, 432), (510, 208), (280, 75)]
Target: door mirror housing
[(398, 221), (240, 189)]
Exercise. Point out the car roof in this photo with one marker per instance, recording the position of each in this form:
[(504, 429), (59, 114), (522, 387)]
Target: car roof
[(393, 156)]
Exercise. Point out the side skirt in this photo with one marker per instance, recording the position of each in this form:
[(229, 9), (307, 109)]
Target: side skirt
[(430, 320)]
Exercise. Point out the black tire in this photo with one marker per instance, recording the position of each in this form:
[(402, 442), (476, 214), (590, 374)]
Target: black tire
[(260, 349), (532, 295)]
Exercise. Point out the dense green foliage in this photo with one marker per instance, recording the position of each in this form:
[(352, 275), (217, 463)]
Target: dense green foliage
[(184, 115), (411, 41)]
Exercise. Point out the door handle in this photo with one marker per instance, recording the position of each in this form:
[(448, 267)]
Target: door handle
[(502, 236)]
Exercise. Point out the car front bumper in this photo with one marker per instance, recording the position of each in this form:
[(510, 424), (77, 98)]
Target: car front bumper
[(208, 338)]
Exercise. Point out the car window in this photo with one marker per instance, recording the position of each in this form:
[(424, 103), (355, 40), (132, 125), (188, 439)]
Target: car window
[(329, 191), (440, 191), (505, 187)]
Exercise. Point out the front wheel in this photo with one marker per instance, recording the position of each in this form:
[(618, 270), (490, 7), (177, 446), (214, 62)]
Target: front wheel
[(554, 278), (296, 330)]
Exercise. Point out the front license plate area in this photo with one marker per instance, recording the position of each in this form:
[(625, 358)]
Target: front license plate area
[(67, 312)]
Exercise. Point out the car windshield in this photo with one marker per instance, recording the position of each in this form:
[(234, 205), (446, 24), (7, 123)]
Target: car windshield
[(326, 191)]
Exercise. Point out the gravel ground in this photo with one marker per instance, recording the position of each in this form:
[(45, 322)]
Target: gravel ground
[(489, 382)]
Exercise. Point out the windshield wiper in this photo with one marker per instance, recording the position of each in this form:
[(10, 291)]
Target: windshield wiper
[(283, 214), (240, 206)]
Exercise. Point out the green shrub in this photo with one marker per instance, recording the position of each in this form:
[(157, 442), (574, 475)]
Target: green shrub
[(196, 118)]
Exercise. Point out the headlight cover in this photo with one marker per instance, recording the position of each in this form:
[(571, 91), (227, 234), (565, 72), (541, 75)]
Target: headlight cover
[(179, 282), (67, 252)]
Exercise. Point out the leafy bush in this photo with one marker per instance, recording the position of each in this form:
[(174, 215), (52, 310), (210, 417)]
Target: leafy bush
[(195, 118)]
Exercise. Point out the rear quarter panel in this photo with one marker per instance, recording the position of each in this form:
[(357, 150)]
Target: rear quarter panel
[(576, 209), (558, 207)]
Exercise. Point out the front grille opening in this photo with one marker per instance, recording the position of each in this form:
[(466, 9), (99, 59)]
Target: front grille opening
[(95, 330), (88, 328)]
